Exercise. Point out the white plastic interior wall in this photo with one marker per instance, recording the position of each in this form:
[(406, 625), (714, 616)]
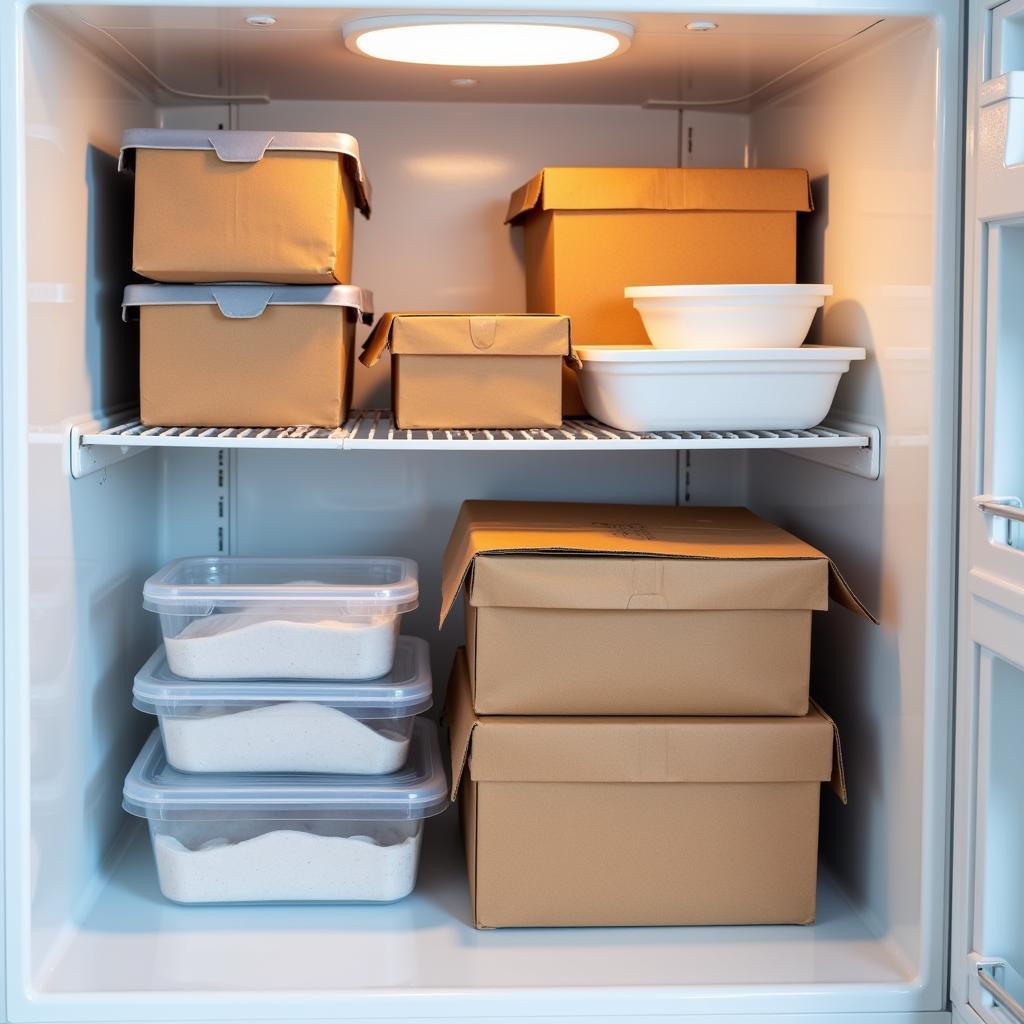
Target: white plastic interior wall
[(869, 106)]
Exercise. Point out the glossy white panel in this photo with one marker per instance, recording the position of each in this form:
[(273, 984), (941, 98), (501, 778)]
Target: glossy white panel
[(75, 626), (874, 136)]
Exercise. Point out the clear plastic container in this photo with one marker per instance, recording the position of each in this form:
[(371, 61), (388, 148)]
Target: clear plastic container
[(261, 725), (282, 618), (288, 838)]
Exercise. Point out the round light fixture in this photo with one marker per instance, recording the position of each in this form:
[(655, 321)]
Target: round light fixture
[(701, 26), (260, 20), (491, 41), (463, 83)]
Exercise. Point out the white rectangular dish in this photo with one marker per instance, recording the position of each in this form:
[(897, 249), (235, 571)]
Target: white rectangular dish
[(635, 388), (358, 727), (282, 618), (288, 838), (699, 316)]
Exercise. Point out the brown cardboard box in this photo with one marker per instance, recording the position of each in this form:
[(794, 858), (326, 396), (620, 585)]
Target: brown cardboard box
[(636, 610), (639, 821), (473, 371), (244, 205), (590, 232), (246, 355)]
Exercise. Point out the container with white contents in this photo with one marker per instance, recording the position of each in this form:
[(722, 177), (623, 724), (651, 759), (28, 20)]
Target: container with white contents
[(268, 838), (360, 727), (282, 618)]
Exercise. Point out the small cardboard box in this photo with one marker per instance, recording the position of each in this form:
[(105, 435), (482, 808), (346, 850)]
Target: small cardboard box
[(246, 355), (639, 821), (576, 609), (471, 371), (590, 232), (244, 205)]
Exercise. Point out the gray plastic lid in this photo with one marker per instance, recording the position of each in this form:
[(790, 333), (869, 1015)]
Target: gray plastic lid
[(245, 301), (356, 585), (407, 690), (249, 147), (155, 790)]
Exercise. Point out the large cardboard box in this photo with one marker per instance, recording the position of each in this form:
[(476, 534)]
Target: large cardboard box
[(246, 355), (639, 821), (473, 371), (590, 232), (244, 205), (575, 609)]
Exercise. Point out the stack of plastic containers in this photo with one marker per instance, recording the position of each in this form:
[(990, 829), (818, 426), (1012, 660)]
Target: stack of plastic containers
[(290, 763)]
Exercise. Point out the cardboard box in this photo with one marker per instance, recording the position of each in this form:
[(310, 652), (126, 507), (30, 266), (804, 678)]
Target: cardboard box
[(473, 371), (578, 609), (639, 821), (590, 232), (246, 355), (244, 205)]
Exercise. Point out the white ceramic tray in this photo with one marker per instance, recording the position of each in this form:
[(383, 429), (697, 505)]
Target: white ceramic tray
[(637, 388)]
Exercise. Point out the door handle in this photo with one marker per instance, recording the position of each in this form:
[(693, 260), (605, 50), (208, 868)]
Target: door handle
[(1004, 508), (999, 994)]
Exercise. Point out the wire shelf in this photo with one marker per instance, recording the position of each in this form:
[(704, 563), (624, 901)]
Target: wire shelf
[(376, 430)]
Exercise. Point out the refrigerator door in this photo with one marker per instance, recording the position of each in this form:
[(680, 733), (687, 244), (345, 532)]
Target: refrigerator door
[(987, 957)]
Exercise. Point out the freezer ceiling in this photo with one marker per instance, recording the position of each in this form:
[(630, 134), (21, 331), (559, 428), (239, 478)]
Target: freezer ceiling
[(177, 52)]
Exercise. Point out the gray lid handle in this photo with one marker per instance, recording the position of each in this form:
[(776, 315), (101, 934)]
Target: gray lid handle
[(241, 302), (240, 147)]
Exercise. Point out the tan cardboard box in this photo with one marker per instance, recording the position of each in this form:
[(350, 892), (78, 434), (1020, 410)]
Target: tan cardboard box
[(575, 609), (590, 232), (246, 355), (639, 821), (244, 205), (471, 371)]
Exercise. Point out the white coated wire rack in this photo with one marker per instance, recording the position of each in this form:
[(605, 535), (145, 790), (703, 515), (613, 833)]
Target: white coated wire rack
[(95, 446), (377, 430)]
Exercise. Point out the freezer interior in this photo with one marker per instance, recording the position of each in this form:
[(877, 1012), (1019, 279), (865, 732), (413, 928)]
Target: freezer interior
[(869, 104)]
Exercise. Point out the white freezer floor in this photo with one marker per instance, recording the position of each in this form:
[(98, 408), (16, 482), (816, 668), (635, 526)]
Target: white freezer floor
[(133, 943)]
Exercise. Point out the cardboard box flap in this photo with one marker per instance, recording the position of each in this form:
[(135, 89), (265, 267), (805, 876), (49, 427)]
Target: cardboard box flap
[(248, 147), (634, 531), (662, 188), (837, 779), (506, 748), (247, 301), (468, 334)]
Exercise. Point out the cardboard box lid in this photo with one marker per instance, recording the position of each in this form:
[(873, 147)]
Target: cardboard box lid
[(662, 188), (247, 301), (465, 334), (249, 147), (626, 534), (540, 748)]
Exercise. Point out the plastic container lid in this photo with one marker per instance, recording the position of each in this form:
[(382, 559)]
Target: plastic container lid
[(407, 690), (247, 301), (153, 789), (355, 585), (247, 147), (639, 355)]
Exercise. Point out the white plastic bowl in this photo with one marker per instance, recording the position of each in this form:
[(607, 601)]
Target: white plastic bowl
[(635, 388), (703, 316)]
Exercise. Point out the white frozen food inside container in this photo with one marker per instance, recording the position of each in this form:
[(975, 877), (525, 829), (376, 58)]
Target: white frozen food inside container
[(280, 618), (342, 869), (226, 838), (259, 725), (634, 388), (700, 316)]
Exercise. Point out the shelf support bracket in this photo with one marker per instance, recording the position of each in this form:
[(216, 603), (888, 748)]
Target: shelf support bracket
[(865, 461)]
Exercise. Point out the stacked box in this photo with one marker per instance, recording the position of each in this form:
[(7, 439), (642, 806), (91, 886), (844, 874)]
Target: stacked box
[(253, 230), (632, 737)]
